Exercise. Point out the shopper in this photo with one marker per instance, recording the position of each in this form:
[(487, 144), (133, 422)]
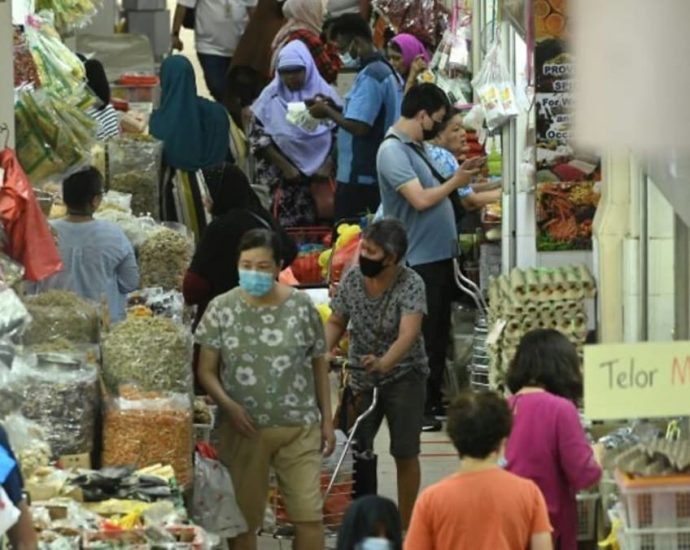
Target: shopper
[(409, 57), (218, 27), (371, 107), (371, 523), (195, 136), (481, 506), (98, 257), (381, 302), (445, 149), (548, 443), (272, 391), (289, 157), (412, 192), (304, 22), (254, 50), (104, 114), (236, 211), (21, 533)]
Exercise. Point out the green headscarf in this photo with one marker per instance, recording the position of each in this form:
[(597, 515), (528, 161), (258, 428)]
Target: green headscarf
[(194, 130)]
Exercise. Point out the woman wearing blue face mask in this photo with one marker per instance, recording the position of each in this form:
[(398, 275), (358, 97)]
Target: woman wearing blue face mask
[(371, 523), (272, 390)]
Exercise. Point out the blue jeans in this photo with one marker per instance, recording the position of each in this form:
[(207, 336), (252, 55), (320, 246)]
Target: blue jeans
[(215, 69)]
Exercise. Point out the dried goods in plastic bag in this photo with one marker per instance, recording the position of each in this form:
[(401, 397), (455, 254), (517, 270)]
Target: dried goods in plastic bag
[(143, 429), (29, 443), (61, 394), (165, 257), (214, 506), (137, 229), (494, 87), (153, 353), (60, 314), (13, 313), (134, 167)]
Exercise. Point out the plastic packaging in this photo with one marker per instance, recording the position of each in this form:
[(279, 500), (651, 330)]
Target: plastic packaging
[(165, 256), (494, 87), (159, 302), (425, 19), (114, 200), (62, 395), (138, 230), (11, 272), (154, 353), (143, 429), (29, 443), (25, 70), (13, 313), (70, 15), (214, 506), (135, 164), (60, 314)]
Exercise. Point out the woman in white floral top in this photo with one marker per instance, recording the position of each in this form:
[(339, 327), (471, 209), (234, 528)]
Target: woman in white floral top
[(263, 362)]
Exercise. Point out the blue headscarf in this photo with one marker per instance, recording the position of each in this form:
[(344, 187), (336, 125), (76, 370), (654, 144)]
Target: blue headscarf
[(194, 131)]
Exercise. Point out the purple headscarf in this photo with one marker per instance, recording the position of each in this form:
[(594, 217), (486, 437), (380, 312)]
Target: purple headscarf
[(410, 47), (306, 150)]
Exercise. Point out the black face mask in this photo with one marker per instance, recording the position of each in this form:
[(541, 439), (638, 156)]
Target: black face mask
[(435, 129), (370, 268)]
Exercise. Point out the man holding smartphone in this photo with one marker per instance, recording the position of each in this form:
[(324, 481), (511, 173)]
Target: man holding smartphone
[(413, 191)]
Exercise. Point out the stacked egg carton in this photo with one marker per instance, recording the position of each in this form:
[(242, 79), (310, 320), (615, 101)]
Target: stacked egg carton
[(525, 300)]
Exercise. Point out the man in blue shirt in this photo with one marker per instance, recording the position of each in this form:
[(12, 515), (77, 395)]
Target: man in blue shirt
[(371, 107), (414, 192)]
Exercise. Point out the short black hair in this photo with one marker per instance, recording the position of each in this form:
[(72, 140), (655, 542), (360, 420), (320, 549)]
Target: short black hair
[(545, 358), (370, 516), (261, 238), (79, 189), (450, 115), (478, 422), (350, 25), (390, 235), (424, 97)]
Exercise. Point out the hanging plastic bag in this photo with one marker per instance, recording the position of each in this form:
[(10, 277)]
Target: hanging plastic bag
[(495, 89), (214, 506), (31, 242)]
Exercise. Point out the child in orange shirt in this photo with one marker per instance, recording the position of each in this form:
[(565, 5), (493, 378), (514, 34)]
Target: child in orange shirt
[(481, 507)]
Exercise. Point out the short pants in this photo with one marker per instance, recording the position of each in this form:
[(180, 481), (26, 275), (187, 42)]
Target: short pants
[(294, 453), (401, 402)]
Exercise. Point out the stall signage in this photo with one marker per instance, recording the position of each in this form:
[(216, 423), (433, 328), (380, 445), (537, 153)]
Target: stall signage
[(637, 380)]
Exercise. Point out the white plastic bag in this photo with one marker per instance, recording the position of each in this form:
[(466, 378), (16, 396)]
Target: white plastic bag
[(9, 513), (495, 89), (214, 506)]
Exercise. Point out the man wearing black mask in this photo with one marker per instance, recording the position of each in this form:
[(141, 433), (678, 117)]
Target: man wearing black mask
[(413, 191), (384, 304)]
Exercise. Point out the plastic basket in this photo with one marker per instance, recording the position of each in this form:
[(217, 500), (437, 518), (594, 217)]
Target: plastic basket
[(655, 512), (587, 516)]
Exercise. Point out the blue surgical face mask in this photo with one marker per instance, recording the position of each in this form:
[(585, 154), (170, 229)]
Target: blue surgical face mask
[(375, 543), (347, 60), (256, 283), (503, 462)]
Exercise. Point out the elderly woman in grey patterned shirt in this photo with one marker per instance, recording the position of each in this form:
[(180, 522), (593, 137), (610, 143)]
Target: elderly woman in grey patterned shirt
[(382, 303), (272, 389)]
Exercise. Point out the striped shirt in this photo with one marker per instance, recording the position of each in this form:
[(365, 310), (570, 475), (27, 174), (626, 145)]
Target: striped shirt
[(108, 121)]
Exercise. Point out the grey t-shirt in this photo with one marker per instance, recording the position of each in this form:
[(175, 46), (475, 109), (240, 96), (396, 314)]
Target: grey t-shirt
[(432, 233), (374, 322)]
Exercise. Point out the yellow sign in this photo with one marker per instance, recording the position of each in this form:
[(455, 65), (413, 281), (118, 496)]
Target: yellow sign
[(625, 381)]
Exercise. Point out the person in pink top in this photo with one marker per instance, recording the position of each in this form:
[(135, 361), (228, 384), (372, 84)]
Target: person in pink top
[(548, 444)]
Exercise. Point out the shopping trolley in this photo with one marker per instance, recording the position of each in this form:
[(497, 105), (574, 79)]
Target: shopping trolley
[(479, 366), (337, 484)]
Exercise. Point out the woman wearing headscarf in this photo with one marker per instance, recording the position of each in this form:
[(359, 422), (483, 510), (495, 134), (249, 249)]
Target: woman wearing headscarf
[(195, 136), (288, 157), (304, 22), (104, 114), (235, 210), (409, 56)]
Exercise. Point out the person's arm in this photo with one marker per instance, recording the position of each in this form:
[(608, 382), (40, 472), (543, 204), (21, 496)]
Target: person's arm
[(277, 159), (22, 535), (408, 333), (340, 316), (475, 201), (180, 13), (335, 330), (209, 337), (541, 541), (127, 271), (321, 109), (575, 453), (323, 398)]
